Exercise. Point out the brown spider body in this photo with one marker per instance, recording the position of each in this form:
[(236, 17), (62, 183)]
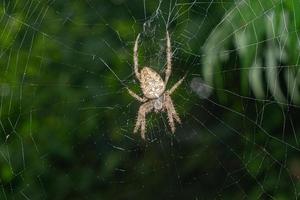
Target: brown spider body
[(156, 97), (152, 84)]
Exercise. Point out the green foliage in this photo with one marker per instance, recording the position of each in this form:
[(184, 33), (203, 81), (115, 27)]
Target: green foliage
[(265, 35)]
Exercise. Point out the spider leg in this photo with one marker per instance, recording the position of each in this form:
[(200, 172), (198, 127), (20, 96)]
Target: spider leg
[(171, 121), (171, 112), (169, 59), (137, 97), (141, 119), (135, 58), (175, 86)]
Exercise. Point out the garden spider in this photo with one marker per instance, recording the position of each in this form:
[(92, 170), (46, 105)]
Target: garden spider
[(154, 89)]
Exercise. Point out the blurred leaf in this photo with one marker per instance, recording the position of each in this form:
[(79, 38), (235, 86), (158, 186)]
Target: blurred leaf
[(253, 27)]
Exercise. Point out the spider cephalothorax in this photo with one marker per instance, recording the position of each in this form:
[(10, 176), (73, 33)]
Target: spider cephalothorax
[(156, 97)]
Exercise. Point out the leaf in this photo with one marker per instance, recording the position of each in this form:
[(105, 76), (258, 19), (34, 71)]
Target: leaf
[(263, 34)]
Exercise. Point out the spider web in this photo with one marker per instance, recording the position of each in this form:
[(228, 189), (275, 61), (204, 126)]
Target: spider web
[(66, 120)]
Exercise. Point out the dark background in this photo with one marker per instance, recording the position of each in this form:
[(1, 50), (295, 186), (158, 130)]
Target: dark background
[(66, 120)]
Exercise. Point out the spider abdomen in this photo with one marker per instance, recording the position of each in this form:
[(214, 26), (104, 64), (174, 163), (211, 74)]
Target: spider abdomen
[(152, 84)]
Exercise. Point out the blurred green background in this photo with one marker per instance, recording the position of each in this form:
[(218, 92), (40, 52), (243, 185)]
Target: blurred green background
[(66, 120)]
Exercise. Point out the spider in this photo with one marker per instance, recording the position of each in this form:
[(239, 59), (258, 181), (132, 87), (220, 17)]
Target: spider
[(156, 97)]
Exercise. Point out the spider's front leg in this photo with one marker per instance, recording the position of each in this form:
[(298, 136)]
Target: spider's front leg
[(135, 58), (141, 119), (169, 59)]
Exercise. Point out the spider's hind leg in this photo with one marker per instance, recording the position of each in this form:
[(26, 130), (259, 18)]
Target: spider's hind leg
[(141, 119), (171, 112)]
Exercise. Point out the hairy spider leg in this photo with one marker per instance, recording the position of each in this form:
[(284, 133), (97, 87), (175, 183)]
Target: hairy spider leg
[(135, 58), (171, 112), (169, 59), (137, 97), (141, 119), (176, 85)]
